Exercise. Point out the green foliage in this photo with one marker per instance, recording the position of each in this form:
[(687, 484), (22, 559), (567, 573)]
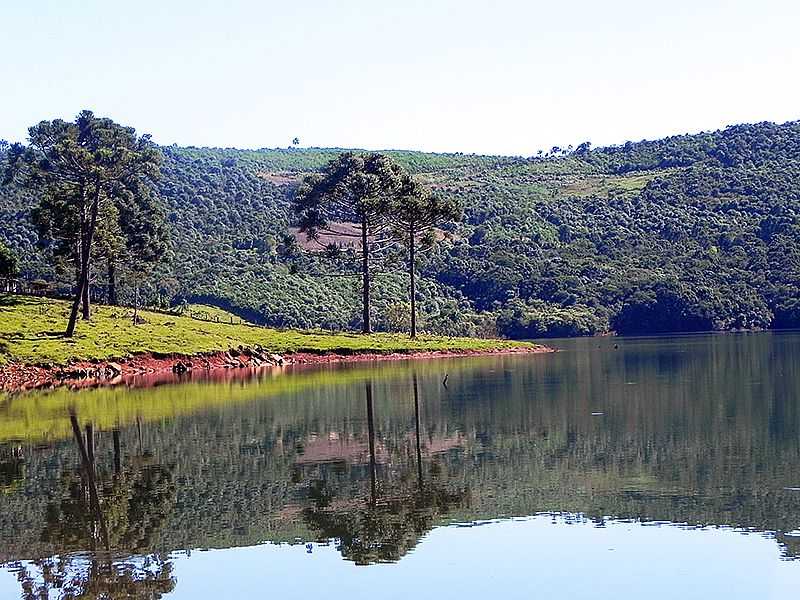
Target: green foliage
[(723, 227), (674, 307), (713, 216), (92, 178), (351, 199), (546, 321), (9, 265)]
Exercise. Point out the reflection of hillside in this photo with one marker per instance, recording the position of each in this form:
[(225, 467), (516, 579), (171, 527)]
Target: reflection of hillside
[(692, 432), (38, 416), (12, 467), (335, 448)]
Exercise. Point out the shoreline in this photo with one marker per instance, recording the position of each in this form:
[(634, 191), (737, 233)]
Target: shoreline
[(164, 368)]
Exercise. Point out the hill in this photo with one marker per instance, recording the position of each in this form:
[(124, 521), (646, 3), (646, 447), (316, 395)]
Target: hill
[(688, 233)]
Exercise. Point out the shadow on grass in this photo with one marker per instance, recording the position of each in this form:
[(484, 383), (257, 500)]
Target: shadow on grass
[(6, 300), (38, 336), (52, 334)]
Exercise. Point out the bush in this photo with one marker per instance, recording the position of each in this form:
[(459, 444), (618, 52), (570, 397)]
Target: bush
[(548, 321)]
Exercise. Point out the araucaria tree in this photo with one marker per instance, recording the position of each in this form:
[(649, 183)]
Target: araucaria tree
[(352, 198), (416, 212), (88, 175)]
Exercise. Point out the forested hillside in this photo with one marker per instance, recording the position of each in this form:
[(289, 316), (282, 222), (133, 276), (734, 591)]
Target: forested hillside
[(688, 233)]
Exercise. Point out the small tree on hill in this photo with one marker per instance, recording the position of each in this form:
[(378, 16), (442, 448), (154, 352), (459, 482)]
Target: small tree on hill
[(355, 189), (416, 212), (83, 173), (9, 266)]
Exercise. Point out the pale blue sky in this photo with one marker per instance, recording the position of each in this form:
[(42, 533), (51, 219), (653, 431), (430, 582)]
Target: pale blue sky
[(496, 76)]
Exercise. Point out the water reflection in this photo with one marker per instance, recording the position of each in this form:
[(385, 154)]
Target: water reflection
[(116, 513), (386, 525), (91, 576), (12, 467), (372, 459)]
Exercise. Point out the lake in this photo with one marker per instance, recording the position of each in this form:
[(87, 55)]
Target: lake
[(616, 468)]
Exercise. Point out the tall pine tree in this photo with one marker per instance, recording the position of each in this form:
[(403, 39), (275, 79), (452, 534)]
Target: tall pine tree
[(416, 212), (85, 174), (351, 199)]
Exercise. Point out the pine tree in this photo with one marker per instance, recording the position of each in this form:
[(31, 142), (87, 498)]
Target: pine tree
[(84, 173), (416, 212), (350, 199)]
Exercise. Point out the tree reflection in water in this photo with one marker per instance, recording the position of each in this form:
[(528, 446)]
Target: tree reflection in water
[(386, 526), (117, 515), (12, 467), (77, 576)]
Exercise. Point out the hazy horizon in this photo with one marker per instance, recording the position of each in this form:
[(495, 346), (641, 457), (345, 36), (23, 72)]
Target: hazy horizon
[(421, 150), (435, 77)]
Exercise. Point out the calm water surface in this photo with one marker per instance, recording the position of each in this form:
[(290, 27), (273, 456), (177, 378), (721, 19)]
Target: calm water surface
[(617, 468)]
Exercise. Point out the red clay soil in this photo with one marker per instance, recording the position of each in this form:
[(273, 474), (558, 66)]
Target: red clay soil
[(151, 369)]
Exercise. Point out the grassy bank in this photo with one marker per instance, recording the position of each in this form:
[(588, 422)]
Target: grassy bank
[(31, 332)]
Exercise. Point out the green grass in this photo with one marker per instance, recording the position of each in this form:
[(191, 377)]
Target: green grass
[(31, 332), (602, 185), (211, 313)]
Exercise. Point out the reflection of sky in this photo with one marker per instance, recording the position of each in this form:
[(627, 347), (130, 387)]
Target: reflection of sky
[(80, 566), (513, 559), (530, 558)]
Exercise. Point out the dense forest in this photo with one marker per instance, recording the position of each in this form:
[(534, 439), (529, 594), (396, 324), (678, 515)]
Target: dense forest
[(688, 233)]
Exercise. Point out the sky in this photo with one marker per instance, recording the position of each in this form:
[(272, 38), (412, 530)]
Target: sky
[(488, 76)]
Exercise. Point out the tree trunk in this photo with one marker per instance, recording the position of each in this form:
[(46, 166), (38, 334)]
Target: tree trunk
[(412, 275), (89, 469), (136, 301), (85, 258), (78, 258), (371, 434), (367, 328), (83, 281), (86, 310), (112, 282), (117, 451), (90, 445), (76, 303), (416, 429)]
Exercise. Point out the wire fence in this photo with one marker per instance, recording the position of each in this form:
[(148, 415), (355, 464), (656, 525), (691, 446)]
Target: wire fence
[(43, 289)]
